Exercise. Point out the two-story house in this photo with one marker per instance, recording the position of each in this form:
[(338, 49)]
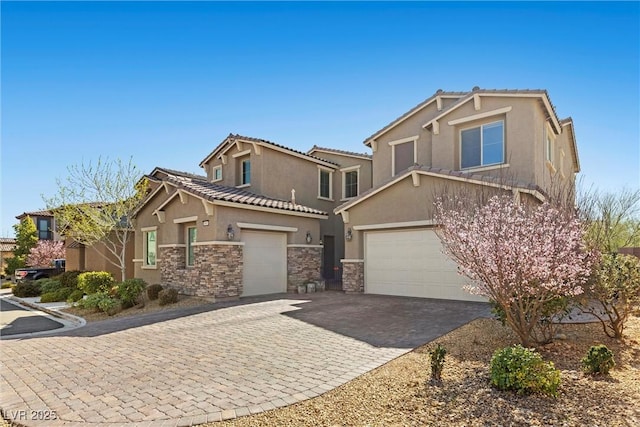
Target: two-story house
[(482, 140), (258, 222), (78, 256)]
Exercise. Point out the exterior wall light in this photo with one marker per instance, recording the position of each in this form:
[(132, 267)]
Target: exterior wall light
[(308, 238), (348, 235), (205, 222), (230, 233)]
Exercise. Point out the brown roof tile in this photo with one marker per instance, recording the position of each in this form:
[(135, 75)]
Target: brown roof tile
[(335, 150), (210, 191)]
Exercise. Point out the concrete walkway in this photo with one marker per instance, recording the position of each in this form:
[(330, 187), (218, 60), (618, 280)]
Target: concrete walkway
[(218, 364)]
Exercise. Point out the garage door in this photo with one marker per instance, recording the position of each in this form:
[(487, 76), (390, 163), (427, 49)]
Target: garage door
[(411, 263), (265, 263)]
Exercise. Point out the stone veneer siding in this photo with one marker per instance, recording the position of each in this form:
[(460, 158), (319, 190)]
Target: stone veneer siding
[(216, 273), (303, 263), (353, 276)]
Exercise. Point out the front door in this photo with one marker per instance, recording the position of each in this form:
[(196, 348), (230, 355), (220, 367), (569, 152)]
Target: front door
[(328, 256)]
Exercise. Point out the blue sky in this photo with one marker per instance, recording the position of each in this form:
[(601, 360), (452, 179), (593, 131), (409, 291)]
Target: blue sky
[(166, 82)]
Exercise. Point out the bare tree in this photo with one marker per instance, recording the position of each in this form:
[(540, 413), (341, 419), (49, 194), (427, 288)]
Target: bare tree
[(95, 203)]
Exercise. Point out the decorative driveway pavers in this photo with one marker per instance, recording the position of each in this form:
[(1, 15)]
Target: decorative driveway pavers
[(220, 364), (207, 366)]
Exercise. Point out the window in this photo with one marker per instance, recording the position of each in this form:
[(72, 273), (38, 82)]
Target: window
[(549, 144), (245, 178), (403, 154), (150, 248), (482, 145), (350, 179), (324, 183), (191, 239), (44, 229), (217, 173)]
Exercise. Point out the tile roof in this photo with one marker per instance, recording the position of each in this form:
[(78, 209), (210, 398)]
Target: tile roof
[(234, 136), (446, 174), (335, 150), (415, 109), (43, 212), (7, 244), (463, 97), (179, 173), (210, 191)]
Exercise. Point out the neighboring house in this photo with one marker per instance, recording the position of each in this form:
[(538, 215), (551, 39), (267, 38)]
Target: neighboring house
[(78, 256), (7, 245), (485, 140), (257, 223), (45, 224)]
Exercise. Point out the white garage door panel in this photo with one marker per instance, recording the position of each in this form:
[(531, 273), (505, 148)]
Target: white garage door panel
[(265, 263), (411, 263)]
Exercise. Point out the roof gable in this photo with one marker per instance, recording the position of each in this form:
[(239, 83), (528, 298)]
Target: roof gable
[(232, 139), (207, 191), (485, 180)]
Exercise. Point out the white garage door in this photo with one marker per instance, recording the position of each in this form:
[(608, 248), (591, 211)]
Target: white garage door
[(265, 263), (411, 263)]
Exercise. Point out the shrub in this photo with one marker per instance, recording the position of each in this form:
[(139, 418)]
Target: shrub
[(99, 301), (59, 295), (523, 370), (599, 360), (109, 305), (26, 290), (153, 291), (48, 286), (130, 290), (69, 279), (168, 296), (75, 296), (437, 362), (615, 285), (95, 281)]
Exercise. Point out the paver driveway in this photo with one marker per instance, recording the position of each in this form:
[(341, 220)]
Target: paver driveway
[(216, 364)]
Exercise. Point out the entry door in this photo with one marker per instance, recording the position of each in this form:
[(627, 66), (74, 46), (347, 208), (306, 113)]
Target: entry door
[(329, 256), (265, 263)]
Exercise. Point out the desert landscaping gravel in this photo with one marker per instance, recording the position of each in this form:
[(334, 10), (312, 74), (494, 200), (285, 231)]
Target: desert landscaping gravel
[(399, 393)]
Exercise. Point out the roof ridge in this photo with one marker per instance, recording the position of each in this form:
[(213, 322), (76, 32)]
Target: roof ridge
[(337, 150)]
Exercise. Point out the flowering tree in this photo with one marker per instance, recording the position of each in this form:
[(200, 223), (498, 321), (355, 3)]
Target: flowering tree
[(44, 252), (527, 259)]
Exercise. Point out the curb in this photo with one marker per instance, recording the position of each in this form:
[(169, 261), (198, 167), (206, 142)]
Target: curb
[(79, 321)]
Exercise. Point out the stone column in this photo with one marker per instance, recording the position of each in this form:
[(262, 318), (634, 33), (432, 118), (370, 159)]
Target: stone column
[(303, 263), (353, 275)]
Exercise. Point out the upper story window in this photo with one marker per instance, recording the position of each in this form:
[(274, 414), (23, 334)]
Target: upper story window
[(403, 154), (150, 247), (549, 143), (245, 178), (482, 145), (44, 229), (191, 238), (217, 173), (325, 178), (350, 180)]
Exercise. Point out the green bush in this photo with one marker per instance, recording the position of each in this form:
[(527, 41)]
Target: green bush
[(69, 279), (109, 305), (48, 286), (92, 300), (168, 296), (523, 370), (60, 295), (129, 291), (95, 281), (99, 301), (599, 360), (26, 290), (75, 296), (153, 291)]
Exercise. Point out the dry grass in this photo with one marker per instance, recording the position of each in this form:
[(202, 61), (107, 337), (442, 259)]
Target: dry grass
[(399, 394)]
